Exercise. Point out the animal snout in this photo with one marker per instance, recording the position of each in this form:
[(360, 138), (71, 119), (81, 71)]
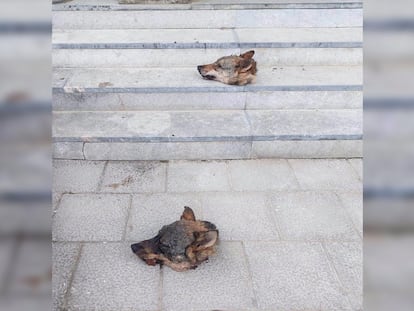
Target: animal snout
[(136, 247), (199, 68)]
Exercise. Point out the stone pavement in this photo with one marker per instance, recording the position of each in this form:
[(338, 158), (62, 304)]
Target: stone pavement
[(291, 234)]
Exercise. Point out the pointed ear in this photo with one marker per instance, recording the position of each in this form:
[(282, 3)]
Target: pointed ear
[(207, 239), (188, 214), (247, 55), (246, 65)]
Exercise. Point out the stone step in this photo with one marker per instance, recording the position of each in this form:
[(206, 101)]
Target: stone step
[(187, 79), (231, 134), (114, 5), (190, 47), (207, 38), (152, 19), (329, 87)]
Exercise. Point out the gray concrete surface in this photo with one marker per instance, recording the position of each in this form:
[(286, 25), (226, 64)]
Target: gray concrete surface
[(282, 246)]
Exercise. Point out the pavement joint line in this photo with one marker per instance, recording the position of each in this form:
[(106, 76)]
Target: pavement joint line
[(331, 263), (140, 139), (273, 217), (207, 45), (65, 302), (167, 169), (250, 275), (354, 170), (128, 217), (201, 89), (294, 175), (83, 150), (354, 225), (101, 178)]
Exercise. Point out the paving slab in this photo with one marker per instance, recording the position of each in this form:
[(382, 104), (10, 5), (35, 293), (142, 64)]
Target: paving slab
[(150, 126), (149, 213), (150, 101), (325, 175), (67, 150), (240, 216), (76, 176), (64, 258), (31, 269), (144, 19), (187, 79), (294, 276), (134, 177), (221, 283), (311, 216), (307, 123), (263, 175), (186, 176), (111, 277), (168, 151), (347, 260), (315, 149), (91, 217), (304, 100)]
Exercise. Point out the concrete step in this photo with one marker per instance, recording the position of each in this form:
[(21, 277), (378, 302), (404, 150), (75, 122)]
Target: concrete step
[(114, 5), (231, 134), (152, 19)]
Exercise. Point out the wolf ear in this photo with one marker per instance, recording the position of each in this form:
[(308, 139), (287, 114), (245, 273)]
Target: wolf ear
[(188, 214), (207, 239), (247, 55), (246, 65)]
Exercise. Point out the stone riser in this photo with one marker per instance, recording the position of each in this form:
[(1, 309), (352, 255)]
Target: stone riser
[(208, 101), (317, 149), (193, 57)]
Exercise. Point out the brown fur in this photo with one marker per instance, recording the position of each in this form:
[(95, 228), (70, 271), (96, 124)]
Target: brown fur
[(182, 245), (235, 70)]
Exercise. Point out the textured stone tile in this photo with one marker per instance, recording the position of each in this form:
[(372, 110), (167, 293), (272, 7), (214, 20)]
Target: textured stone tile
[(64, 258), (261, 175), (76, 176), (315, 149), (325, 174), (311, 216), (150, 212), (68, 150), (294, 276), (221, 283), (134, 177), (352, 201), (91, 217), (169, 150), (111, 277), (347, 259), (304, 100), (357, 164), (186, 176), (306, 123), (240, 216), (31, 270)]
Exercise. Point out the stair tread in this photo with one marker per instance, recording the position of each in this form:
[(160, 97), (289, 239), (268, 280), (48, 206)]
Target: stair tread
[(182, 126), (188, 79)]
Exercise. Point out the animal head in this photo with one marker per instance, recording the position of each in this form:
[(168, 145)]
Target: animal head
[(236, 70), (182, 245)]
